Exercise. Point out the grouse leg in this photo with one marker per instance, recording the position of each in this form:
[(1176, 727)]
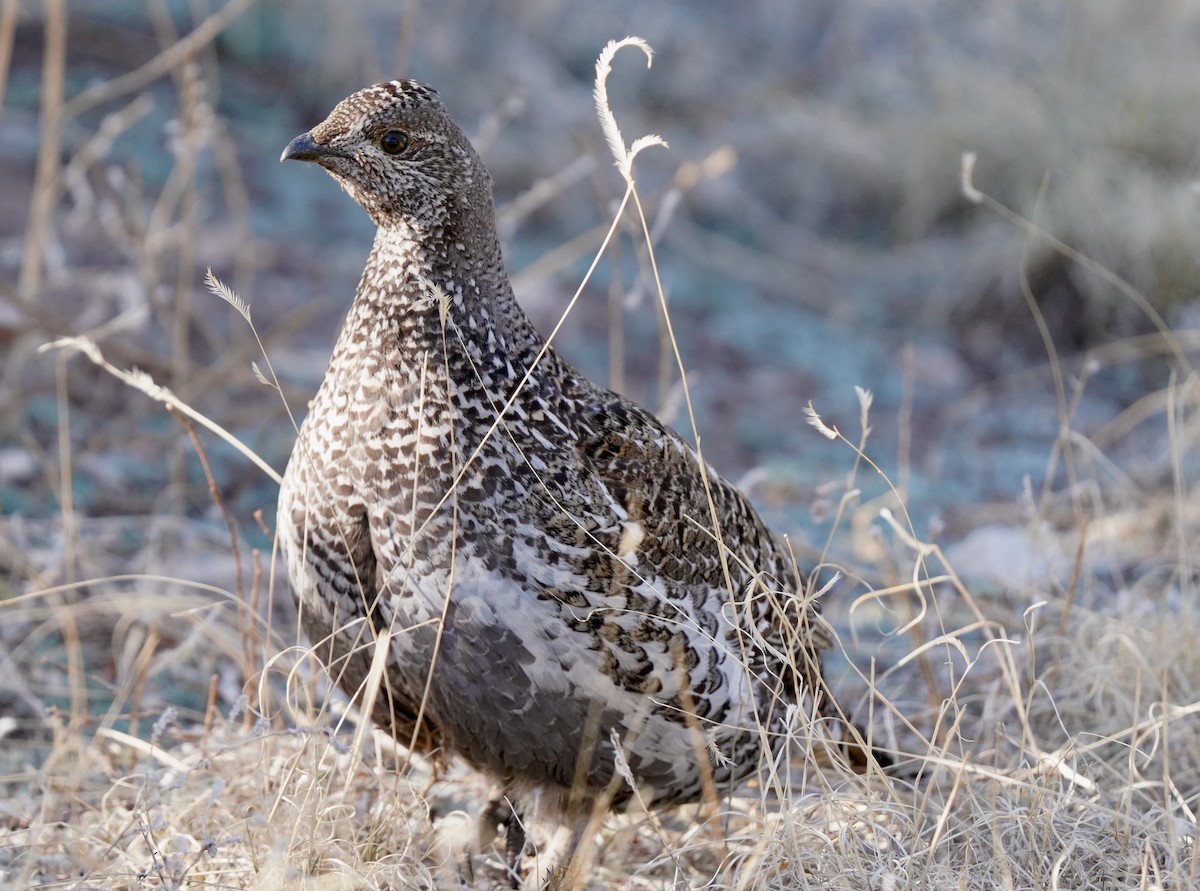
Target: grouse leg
[(514, 847), (500, 812)]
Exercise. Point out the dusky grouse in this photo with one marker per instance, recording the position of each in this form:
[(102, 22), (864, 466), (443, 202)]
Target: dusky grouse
[(554, 568)]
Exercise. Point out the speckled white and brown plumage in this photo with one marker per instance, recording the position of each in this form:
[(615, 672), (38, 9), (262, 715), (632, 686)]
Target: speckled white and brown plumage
[(541, 550)]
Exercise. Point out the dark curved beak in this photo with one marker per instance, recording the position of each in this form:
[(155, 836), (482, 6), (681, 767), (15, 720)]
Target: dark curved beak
[(302, 148)]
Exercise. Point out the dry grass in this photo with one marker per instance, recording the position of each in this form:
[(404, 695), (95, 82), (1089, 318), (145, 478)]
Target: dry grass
[(1054, 731), (160, 725)]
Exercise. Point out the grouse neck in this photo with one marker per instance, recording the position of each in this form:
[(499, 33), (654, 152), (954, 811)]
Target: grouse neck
[(447, 295)]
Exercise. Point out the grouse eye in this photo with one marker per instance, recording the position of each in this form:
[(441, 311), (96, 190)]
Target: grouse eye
[(394, 141)]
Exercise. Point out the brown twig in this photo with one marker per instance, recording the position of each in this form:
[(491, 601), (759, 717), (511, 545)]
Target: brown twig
[(238, 585), (54, 64), (8, 33)]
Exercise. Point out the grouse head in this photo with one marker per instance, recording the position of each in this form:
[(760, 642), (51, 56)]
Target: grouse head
[(395, 149)]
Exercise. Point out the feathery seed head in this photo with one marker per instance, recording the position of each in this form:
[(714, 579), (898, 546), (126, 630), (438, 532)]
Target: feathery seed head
[(395, 149)]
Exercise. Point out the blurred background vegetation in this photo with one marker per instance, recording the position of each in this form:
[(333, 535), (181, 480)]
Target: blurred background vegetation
[(811, 226)]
